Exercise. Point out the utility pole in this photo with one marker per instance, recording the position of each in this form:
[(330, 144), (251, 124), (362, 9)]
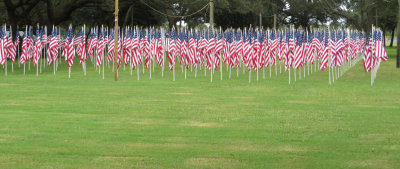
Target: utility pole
[(260, 20), (275, 21), (116, 41), (211, 13)]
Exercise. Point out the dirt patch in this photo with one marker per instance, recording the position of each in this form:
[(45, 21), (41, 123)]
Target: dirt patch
[(290, 148), (148, 121), (113, 158), (301, 102), (217, 162), (388, 147), (182, 93), (200, 124), (8, 84), (152, 145), (371, 163)]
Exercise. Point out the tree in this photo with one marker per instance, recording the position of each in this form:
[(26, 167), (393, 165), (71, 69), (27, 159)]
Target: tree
[(398, 36), (305, 13), (246, 12)]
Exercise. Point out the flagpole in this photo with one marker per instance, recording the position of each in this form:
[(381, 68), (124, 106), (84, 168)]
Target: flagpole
[(299, 73), (173, 66), (163, 56), (205, 65), (5, 67), (19, 64), (212, 65), (250, 76), (257, 71), (185, 69), (54, 63), (264, 71), (104, 50), (270, 71), (220, 62), (84, 48), (289, 75)]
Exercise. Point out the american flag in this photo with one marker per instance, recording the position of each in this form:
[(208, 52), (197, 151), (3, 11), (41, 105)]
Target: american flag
[(339, 46), (210, 49), (170, 48), (227, 49), (367, 59), (24, 50), (69, 52), (325, 53), (38, 46), (145, 49), (157, 48), (16, 43), (239, 45), (273, 43), (101, 44), (219, 45), (290, 49), (111, 44), (127, 46), (258, 53), (119, 50), (80, 42), (298, 53), (11, 48), (185, 48), (52, 51), (202, 47), (192, 49), (136, 56), (3, 41), (247, 49), (44, 36), (379, 49), (92, 42)]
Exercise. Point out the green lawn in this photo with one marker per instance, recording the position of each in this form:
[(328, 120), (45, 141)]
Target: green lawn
[(87, 122)]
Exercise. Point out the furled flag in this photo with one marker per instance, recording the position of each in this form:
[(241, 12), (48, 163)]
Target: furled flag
[(379, 48), (326, 51), (101, 46), (38, 46), (298, 53), (136, 55), (11, 48), (92, 42), (24, 50), (367, 59), (81, 43), (52, 51), (3, 40), (69, 52), (170, 43), (210, 50), (111, 45)]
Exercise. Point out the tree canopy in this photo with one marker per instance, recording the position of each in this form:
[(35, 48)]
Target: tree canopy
[(360, 14)]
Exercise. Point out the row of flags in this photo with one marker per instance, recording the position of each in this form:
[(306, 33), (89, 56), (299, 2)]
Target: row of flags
[(256, 48), (374, 50), (8, 45)]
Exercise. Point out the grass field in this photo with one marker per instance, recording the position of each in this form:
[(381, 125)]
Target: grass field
[(87, 122)]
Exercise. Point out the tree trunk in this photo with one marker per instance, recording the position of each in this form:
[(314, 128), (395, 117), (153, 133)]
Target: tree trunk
[(391, 39), (384, 36)]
